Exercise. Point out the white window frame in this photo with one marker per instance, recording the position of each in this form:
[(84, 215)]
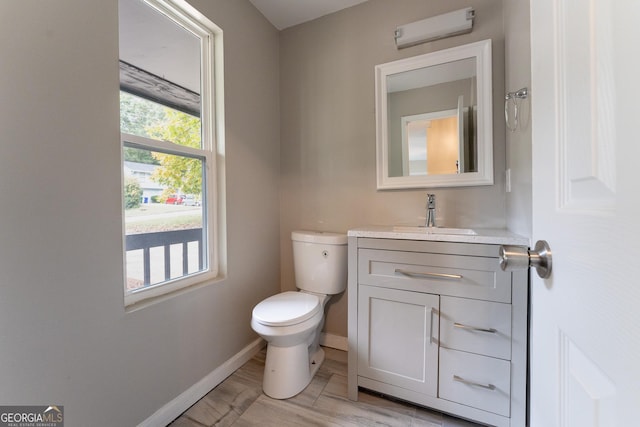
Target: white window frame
[(211, 114)]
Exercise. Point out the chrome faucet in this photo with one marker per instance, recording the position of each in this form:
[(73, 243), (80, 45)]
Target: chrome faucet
[(431, 211)]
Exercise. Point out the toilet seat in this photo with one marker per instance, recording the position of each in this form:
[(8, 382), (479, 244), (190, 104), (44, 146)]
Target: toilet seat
[(287, 308)]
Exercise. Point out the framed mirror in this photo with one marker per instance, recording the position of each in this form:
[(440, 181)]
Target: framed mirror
[(434, 119)]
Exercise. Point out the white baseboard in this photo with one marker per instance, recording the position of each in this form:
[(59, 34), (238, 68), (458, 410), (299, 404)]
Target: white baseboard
[(334, 341), (185, 400)]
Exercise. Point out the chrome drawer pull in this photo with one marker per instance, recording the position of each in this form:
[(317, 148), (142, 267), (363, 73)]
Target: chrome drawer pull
[(431, 275), (473, 328), (463, 381), (431, 339)]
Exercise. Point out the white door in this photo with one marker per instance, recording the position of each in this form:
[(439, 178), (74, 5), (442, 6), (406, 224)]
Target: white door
[(585, 331)]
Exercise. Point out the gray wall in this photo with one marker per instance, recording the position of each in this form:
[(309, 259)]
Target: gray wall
[(65, 337), (518, 75), (328, 159)]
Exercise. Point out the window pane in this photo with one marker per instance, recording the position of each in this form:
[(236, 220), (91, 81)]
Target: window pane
[(142, 117), (160, 58), (164, 217)]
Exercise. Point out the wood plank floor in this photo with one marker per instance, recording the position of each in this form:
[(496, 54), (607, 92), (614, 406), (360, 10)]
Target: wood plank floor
[(239, 402)]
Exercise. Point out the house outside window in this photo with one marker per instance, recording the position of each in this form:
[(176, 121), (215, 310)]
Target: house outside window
[(169, 147)]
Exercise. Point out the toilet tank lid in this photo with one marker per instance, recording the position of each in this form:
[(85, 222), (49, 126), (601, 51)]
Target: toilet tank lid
[(323, 237)]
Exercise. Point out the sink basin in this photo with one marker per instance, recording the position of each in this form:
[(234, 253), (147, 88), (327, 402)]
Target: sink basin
[(433, 230)]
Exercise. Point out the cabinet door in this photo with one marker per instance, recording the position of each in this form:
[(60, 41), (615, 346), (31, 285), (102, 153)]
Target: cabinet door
[(398, 338)]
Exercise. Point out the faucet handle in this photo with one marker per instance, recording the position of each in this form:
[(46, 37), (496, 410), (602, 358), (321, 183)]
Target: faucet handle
[(431, 210), (431, 201)]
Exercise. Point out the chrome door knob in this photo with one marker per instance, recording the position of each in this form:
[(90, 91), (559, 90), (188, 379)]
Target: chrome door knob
[(519, 258)]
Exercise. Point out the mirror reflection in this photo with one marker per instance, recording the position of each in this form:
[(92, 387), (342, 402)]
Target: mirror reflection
[(431, 119), (434, 119)]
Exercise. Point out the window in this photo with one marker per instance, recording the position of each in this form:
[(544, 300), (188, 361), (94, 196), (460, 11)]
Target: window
[(168, 145)]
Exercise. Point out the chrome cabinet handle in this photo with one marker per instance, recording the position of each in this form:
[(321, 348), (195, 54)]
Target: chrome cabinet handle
[(467, 382), (431, 275), (473, 328), (431, 339)]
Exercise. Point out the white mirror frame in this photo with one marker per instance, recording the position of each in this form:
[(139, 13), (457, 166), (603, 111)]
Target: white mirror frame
[(481, 51)]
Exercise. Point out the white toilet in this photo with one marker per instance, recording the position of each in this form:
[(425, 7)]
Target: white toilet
[(291, 322)]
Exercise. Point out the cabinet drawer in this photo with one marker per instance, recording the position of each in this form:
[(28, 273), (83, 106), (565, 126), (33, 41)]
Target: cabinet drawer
[(478, 381), (455, 275), (474, 326)]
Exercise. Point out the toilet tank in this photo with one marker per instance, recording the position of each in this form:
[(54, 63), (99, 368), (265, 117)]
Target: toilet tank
[(320, 261)]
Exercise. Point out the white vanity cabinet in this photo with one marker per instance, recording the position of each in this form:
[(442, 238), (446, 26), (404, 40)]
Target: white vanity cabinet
[(439, 324)]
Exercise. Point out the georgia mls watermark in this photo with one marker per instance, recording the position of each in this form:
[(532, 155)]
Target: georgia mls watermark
[(32, 416)]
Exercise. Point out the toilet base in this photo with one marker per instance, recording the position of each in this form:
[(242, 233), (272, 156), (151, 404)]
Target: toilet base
[(289, 370)]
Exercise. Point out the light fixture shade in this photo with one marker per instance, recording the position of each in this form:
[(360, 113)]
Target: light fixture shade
[(436, 27)]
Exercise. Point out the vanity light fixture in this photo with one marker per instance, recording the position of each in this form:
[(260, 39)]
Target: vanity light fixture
[(436, 27)]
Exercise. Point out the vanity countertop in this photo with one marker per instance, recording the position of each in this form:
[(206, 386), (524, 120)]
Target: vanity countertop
[(494, 236)]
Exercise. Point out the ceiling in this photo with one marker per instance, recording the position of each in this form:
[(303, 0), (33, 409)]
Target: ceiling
[(287, 13)]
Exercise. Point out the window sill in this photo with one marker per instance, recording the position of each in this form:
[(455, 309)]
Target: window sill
[(148, 297)]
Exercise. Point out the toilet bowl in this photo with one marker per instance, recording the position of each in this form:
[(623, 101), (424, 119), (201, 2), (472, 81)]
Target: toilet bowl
[(291, 322), (293, 353)]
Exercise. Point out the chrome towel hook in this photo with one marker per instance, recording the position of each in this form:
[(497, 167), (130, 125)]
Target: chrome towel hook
[(515, 98)]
